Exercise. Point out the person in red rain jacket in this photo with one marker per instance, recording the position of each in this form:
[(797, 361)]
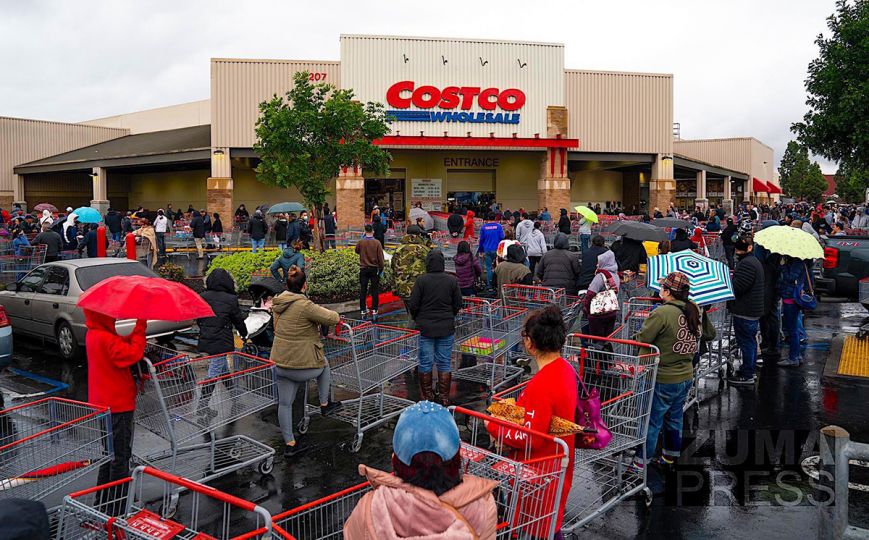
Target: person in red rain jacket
[(552, 391), (469, 225), (111, 384)]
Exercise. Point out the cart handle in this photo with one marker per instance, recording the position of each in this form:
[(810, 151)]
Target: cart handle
[(619, 341), (511, 425), (319, 501), (96, 408), (52, 429)]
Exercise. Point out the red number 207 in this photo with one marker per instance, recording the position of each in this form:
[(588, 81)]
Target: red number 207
[(317, 77)]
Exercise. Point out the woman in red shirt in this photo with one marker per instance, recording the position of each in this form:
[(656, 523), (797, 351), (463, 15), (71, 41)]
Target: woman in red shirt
[(552, 391)]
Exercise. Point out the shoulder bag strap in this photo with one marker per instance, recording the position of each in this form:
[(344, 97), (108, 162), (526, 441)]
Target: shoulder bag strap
[(461, 518), (809, 279)]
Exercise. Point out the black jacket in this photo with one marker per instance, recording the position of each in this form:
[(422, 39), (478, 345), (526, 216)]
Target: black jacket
[(564, 224), (559, 267), (257, 227), (292, 231), (281, 230), (329, 224), (727, 235), (771, 263), (197, 225), (435, 299), (216, 226), (215, 333), (680, 245), (456, 224), (747, 288), (113, 222), (379, 230), (630, 255), (588, 266), (52, 241)]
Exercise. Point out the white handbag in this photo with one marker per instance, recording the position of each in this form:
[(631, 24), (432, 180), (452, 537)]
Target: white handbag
[(606, 301)]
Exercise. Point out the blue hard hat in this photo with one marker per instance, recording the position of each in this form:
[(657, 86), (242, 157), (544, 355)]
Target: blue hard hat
[(425, 427)]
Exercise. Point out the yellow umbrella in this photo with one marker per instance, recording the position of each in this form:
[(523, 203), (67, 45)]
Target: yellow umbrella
[(789, 241), (587, 213)]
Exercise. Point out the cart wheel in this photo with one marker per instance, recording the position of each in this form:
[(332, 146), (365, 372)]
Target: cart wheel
[(235, 451), (647, 496), (357, 442), (303, 425), (265, 467), (170, 508)]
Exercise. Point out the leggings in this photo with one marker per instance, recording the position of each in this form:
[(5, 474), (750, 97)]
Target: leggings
[(289, 381)]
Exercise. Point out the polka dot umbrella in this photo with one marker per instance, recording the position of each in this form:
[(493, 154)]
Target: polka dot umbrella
[(789, 241), (709, 279)]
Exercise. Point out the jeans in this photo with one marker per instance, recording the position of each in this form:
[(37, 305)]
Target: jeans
[(330, 242), (161, 243), (729, 250), (369, 278), (282, 246), (119, 466), (667, 403), (489, 261), (583, 242), (254, 244), (790, 322), (770, 330), (116, 236), (746, 338), (288, 381), (435, 351)]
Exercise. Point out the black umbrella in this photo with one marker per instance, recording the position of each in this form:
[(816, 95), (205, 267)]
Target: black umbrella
[(671, 222), (637, 230)]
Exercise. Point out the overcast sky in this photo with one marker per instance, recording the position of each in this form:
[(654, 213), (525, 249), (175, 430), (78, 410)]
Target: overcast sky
[(738, 65)]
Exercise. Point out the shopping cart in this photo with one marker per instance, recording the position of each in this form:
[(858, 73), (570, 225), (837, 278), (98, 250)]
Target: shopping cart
[(136, 508), (14, 267), (527, 496), (633, 285), (487, 330), (46, 445), (532, 297), (363, 358), (182, 400)]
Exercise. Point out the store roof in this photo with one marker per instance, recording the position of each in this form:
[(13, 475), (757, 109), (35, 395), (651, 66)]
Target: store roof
[(174, 145)]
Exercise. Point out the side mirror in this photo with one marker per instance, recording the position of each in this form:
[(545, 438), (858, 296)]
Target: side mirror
[(13, 287)]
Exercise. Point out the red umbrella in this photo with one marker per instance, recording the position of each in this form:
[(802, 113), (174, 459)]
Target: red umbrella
[(45, 206), (136, 297)]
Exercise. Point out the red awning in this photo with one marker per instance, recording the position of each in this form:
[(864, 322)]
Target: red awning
[(758, 185), (773, 188)]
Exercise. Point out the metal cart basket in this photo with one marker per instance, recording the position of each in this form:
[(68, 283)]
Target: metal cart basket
[(487, 330)]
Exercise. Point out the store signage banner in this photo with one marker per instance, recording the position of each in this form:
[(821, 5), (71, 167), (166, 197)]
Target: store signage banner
[(428, 191), (404, 94)]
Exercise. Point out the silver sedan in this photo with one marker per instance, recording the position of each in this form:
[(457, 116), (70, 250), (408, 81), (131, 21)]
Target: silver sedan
[(43, 303)]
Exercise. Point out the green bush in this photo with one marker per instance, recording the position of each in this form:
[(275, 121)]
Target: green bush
[(170, 271), (242, 264)]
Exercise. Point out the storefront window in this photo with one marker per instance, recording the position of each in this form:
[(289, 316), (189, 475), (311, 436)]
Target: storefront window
[(478, 201), (686, 193), (383, 191)]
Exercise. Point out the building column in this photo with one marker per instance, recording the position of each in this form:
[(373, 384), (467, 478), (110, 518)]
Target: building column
[(701, 199), (100, 201), (727, 203), (553, 186), (350, 197), (218, 187), (662, 186)]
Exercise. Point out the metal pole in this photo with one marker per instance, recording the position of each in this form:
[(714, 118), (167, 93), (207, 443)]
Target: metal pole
[(833, 473)]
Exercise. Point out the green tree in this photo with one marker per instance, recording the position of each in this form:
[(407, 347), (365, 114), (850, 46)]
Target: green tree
[(799, 176), (305, 138), (837, 123), (851, 183), (814, 184)]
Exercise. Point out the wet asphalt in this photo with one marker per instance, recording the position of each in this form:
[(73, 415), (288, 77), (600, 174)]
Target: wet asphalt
[(741, 473)]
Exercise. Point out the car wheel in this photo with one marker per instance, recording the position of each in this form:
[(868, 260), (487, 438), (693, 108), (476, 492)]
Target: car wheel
[(66, 341)]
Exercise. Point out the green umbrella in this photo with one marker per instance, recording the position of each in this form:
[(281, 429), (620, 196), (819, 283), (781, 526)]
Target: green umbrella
[(789, 241), (284, 207), (587, 213)]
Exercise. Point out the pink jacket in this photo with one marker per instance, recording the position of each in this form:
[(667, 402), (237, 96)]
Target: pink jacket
[(395, 510)]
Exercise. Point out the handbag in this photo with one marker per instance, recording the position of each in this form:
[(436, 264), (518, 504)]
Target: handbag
[(606, 301), (595, 434), (806, 299)]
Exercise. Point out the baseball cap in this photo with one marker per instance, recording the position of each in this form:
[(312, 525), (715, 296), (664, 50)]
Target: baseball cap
[(425, 427), (675, 281)]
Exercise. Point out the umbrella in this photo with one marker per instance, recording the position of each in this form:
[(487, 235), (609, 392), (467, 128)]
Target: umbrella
[(587, 213), (45, 206), (284, 207), (86, 214), (672, 223), (137, 297), (709, 279), (789, 241), (637, 230), (769, 223)]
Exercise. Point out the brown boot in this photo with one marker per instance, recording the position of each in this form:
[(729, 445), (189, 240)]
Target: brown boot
[(426, 392), (444, 384)]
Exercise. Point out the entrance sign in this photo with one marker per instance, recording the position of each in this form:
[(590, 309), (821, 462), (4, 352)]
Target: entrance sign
[(428, 191)]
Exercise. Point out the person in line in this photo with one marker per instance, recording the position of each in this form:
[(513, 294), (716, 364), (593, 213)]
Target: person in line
[(434, 303), (564, 222), (288, 258), (417, 228), (544, 215), (713, 225), (728, 238), (46, 217), (330, 227), (588, 264), (70, 232), (675, 328), (51, 240), (378, 230), (280, 228), (20, 243), (427, 496), (523, 230), (216, 229), (161, 225), (584, 234), (297, 352), (113, 224), (606, 277), (795, 278), (89, 241), (468, 268), (305, 234), (552, 391), (197, 227), (512, 271), (111, 384), (456, 223), (630, 254), (491, 235), (146, 232), (770, 321), (371, 262), (127, 223), (469, 224), (409, 262), (215, 335), (681, 242), (258, 229), (746, 308), (536, 246), (241, 213), (559, 267), (206, 220)]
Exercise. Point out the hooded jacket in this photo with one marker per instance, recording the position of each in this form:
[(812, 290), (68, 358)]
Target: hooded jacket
[(559, 267), (395, 509), (564, 222), (435, 299), (666, 328), (455, 224), (605, 261), (467, 269), (110, 383), (287, 258), (70, 231), (536, 243), (113, 221), (469, 224), (46, 217), (513, 270), (280, 227), (630, 255), (588, 266), (297, 320), (215, 333), (523, 231), (257, 227), (748, 288)]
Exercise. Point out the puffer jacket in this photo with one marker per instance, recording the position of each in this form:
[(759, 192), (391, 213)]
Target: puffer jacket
[(559, 267), (215, 333), (288, 258), (467, 269), (435, 299), (748, 281), (455, 224), (631, 255), (394, 509), (297, 320), (257, 228), (589, 266), (109, 355)]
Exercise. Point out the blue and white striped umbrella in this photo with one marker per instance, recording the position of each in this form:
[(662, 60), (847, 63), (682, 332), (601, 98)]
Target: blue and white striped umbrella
[(709, 279)]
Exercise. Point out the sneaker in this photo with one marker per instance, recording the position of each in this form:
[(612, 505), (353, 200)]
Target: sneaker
[(741, 380), (364, 313), (788, 363), (374, 313), (292, 451), (759, 361), (637, 465), (331, 406)]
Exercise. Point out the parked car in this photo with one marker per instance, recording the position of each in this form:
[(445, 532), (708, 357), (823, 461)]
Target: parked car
[(846, 262), (5, 339), (43, 302)]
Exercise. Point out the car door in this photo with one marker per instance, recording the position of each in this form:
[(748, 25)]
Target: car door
[(18, 305), (51, 300)]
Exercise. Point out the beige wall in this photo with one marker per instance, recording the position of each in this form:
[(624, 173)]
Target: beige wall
[(743, 154), (155, 190), (595, 186), (23, 140), (195, 113), (620, 112)]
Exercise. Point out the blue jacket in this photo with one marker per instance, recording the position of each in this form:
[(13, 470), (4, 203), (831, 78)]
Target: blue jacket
[(287, 259), (490, 235), (19, 243), (792, 279), (293, 232)]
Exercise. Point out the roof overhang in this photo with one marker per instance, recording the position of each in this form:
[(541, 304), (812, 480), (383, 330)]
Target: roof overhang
[(697, 165), (499, 143), (773, 188), (758, 185), (127, 161)]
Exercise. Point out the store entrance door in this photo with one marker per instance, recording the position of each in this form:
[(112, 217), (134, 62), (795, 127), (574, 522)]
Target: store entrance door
[(470, 189), (383, 191)]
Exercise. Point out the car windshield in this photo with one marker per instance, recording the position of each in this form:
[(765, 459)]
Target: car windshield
[(88, 276)]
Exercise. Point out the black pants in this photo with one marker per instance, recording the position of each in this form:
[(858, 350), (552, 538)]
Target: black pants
[(532, 262), (119, 467), (369, 276), (728, 252)]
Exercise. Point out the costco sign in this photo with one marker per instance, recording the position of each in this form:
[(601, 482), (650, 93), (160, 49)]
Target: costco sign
[(454, 104)]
